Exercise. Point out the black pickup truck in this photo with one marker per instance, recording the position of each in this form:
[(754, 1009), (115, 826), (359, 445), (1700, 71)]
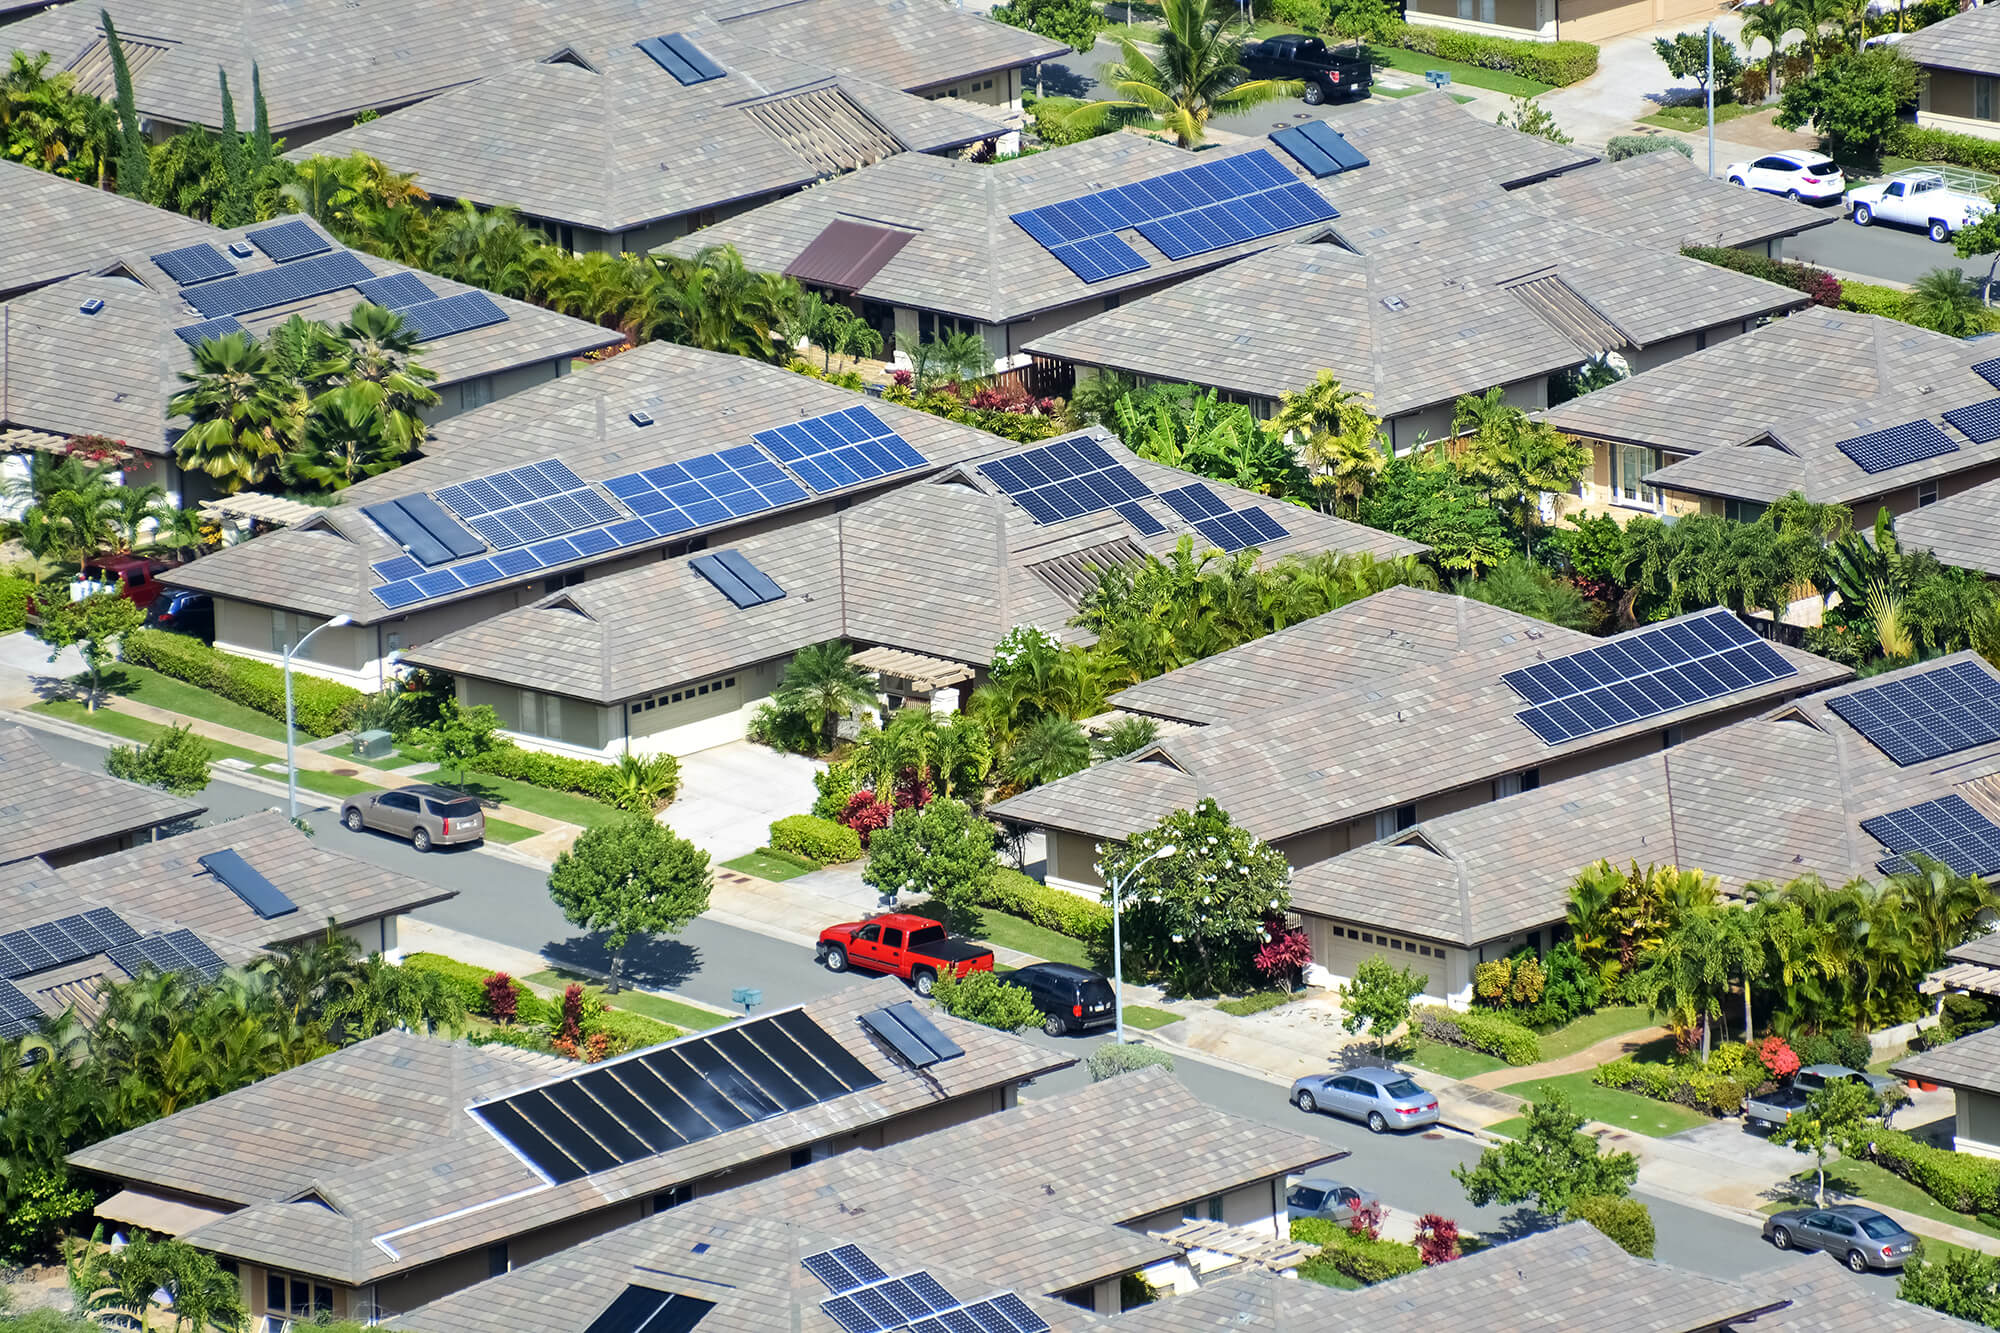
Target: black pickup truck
[(1336, 74)]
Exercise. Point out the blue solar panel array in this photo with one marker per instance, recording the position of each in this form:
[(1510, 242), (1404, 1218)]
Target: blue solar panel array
[(452, 314), (1644, 674), (395, 291), (276, 286), (194, 335), (1948, 829), (1911, 442), (1136, 514), (194, 263), (1988, 370), (62, 942), (1066, 479), (416, 524), (713, 488), (247, 882), (681, 58), (1319, 148), (867, 1300), (181, 951), (289, 240), (1188, 212), (1231, 530), (1925, 716), (648, 1310), (839, 449), (1979, 423), (19, 1015), (527, 504), (736, 578)]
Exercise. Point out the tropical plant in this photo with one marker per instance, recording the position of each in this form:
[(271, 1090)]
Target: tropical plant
[(244, 415), (1523, 585), (821, 681), (1527, 116), (1338, 440), (176, 762), (348, 436), (712, 301), (47, 124), (374, 347), (1516, 461), (123, 1281), (1944, 301), (1128, 735), (1047, 748), (1832, 1115), (1687, 976), (1422, 496), (941, 851), (1687, 56), (1549, 1164), (629, 878), (645, 782), (1770, 23), (93, 626)]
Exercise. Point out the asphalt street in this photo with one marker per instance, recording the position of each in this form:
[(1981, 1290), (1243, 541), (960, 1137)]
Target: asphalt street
[(505, 900)]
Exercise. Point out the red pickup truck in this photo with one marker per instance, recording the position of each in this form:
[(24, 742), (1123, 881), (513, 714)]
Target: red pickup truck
[(133, 577), (914, 948)]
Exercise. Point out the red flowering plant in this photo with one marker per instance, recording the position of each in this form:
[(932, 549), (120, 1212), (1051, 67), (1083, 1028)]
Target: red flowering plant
[(501, 1001), (1286, 953), (1777, 1057), (1437, 1240), (99, 449)]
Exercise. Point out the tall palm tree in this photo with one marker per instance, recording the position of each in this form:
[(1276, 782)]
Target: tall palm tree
[(245, 415), (1946, 906), (348, 436), (1196, 75), (1770, 23), (1687, 977), (1337, 439), (1048, 748), (820, 680), (962, 756), (1944, 301)]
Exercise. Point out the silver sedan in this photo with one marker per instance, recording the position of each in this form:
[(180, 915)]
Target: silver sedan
[(1859, 1237), (1381, 1098)]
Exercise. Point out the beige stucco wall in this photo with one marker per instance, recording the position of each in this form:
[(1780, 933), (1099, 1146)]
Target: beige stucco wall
[(1977, 1127), (1945, 101)]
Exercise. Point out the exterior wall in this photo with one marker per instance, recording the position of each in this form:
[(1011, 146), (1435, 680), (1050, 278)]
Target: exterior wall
[(374, 936), (1257, 1205), (714, 712), (1002, 87), (464, 395), (1599, 496), (1897, 502), (1339, 947), (1595, 20), (1978, 1123), (1072, 862), (1434, 422), (1948, 100), (1532, 19)]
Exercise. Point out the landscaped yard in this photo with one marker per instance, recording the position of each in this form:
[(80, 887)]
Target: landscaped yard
[(1147, 1017), (1587, 1031), (146, 686), (140, 731), (639, 1002), (563, 805), (1875, 1184), (1382, 90), (1452, 1061), (1689, 119), (1011, 932), (1624, 1110), (399, 756), (1472, 76), (1256, 1002), (765, 866)]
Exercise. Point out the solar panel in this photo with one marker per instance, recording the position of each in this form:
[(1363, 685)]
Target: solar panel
[(1136, 514), (644, 1310), (192, 952), (194, 263), (838, 449), (1979, 423), (419, 526), (737, 579), (194, 335), (836, 1059), (1949, 829), (681, 58), (182, 951), (1065, 479), (276, 286), (1018, 1314), (1334, 144), (528, 504), (401, 567), (1307, 153), (1988, 370), (1926, 715), (1644, 674), (913, 1036), (1911, 442), (1266, 528), (58, 943), (452, 314), (696, 492), (33, 955), (19, 1015), (1095, 258), (1195, 502), (289, 240), (395, 291)]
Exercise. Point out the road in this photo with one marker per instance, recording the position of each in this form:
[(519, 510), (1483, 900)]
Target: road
[(505, 900)]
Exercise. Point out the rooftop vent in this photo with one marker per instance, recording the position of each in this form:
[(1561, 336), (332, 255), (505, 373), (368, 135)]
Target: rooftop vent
[(241, 249), (92, 306), (642, 418)]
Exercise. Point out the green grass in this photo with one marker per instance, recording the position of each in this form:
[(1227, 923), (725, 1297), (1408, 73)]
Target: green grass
[(1689, 119), (566, 806), (1256, 1002), (1147, 1017), (499, 830), (1624, 1110), (1590, 1029), (1511, 1127), (765, 866), (143, 685), (1380, 90), (1326, 1275), (1011, 932), (1472, 76), (639, 1002), (1452, 1061), (1866, 1180)]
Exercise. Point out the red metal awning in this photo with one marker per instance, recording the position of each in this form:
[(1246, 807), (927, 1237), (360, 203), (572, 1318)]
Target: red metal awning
[(846, 255)]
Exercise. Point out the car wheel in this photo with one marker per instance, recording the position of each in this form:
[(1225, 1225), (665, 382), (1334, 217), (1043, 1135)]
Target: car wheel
[(1304, 1101), (1863, 215), (1781, 1238), (1738, 180), (421, 840), (353, 821), (836, 958), (1314, 94), (924, 980), (1376, 1124), (1857, 1261), (1794, 196), (1054, 1025), (1939, 232)]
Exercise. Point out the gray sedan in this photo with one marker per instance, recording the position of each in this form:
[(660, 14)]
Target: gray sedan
[(1859, 1237), (1383, 1098), (1316, 1196)]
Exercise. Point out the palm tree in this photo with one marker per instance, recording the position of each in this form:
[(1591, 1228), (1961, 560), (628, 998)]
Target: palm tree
[(373, 346), (137, 506), (821, 681), (348, 436), (854, 338), (1947, 907), (180, 531), (1127, 735), (1048, 748), (713, 301), (1771, 23), (244, 415), (1337, 439), (1196, 75), (1945, 301), (1687, 976), (962, 756)]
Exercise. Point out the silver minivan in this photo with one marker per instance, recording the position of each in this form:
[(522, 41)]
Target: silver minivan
[(428, 816)]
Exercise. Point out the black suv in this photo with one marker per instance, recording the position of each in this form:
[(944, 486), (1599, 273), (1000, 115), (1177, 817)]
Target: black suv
[(1338, 74), (1071, 998)]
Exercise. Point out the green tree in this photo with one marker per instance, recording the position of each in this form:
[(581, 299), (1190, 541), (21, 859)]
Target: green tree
[(1963, 1283), (1420, 495), (1378, 999), (47, 124), (1550, 1165), (460, 735), (374, 347), (1853, 101), (347, 437), (1685, 55), (1944, 301), (821, 681), (123, 1280), (1834, 1115), (1047, 748), (1770, 23), (1982, 237), (1197, 75), (244, 415), (941, 851), (712, 301), (1625, 1221), (982, 997), (1515, 461), (93, 625), (1531, 117), (1687, 977), (1337, 438), (176, 762), (630, 878), (132, 155), (234, 207), (1074, 23), (1521, 584)]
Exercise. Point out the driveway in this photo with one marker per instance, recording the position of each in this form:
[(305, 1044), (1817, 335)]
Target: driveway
[(731, 794), (24, 660)]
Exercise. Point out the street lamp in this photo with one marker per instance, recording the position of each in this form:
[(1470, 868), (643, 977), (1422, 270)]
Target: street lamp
[(1117, 940), (291, 768), (1709, 87)]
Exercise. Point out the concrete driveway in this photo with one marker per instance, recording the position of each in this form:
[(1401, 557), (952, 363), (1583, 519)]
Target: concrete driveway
[(730, 795), (24, 660)]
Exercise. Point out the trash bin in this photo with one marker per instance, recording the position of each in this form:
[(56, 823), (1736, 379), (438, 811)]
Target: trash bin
[(373, 745)]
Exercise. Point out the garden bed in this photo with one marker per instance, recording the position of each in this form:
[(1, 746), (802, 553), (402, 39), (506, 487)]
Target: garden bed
[(1256, 1002), (1691, 118), (657, 1007)]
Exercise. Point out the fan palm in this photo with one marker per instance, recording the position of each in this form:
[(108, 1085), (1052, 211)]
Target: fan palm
[(348, 436), (1196, 75), (136, 506), (373, 346), (1946, 906), (821, 681), (245, 416), (1048, 748), (1336, 437), (962, 756), (1944, 301), (1125, 736)]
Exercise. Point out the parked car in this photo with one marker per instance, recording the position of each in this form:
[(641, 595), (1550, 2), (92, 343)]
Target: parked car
[(1380, 1097), (1774, 1108), (1071, 998), (914, 948), (428, 816), (186, 612), (1316, 1196), (1859, 1237), (1330, 74), (133, 577), (1814, 1077), (1919, 199), (1807, 177)]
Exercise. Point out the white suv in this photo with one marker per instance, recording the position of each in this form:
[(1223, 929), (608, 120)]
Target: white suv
[(1807, 177)]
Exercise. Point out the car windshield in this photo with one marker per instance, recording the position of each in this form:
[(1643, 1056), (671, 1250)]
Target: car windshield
[(464, 808), (1880, 1228), (1402, 1087), (1822, 168), (1306, 1198), (931, 934)]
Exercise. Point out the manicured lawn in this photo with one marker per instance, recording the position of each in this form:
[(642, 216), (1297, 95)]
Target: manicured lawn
[(639, 1002), (1866, 1180), (1011, 932), (1689, 119), (146, 686), (1147, 1017), (1509, 1128), (1587, 1031), (765, 866), (1472, 76), (1452, 1061), (499, 830), (140, 731), (1380, 91), (1625, 1110), (563, 805)]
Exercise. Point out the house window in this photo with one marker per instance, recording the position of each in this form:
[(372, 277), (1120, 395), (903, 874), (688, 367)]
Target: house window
[(1927, 494), (394, 640), (281, 631), (1982, 98), (295, 1296), (1743, 511), (1629, 465), (496, 1259)]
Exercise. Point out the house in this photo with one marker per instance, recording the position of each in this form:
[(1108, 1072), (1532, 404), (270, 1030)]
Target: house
[(1353, 726), (1959, 61), (667, 655), (60, 813), (1799, 790), (1970, 1067), (1801, 404), (1973, 967), (322, 65), (1557, 20), (406, 1167), (610, 152), (1961, 529), (58, 228)]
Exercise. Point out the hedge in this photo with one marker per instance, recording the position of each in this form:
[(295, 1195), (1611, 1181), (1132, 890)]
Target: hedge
[(1959, 1181), (1624, 1221), (1932, 145), (14, 595), (1621, 146), (1052, 909), (320, 706), (1558, 63), (1364, 1260), (1707, 1090), (628, 1031), (1476, 1031), (586, 777), (469, 984), (818, 840)]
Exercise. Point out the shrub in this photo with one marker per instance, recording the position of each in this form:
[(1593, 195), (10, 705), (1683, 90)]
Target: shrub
[(1731, 1058), (1778, 1059), (787, 731), (836, 784), (320, 706), (1287, 954), (818, 840), (1477, 1031), (1624, 1221), (1559, 63), (866, 816), (1867, 298), (1621, 146), (1959, 1181), (1572, 986), (981, 997), (1834, 1048), (1817, 283), (176, 762), (1925, 144), (1437, 1240), (1115, 1058), (1052, 909), (627, 1031), (1256, 1002), (468, 983), (14, 595), (1305, 15), (585, 777), (1524, 987), (574, 1004), (501, 1004), (1370, 1260), (1490, 980), (1703, 1089)]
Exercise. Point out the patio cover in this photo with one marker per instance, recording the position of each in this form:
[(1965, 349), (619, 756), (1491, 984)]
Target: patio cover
[(925, 674), (157, 1212), (267, 508), (847, 255)]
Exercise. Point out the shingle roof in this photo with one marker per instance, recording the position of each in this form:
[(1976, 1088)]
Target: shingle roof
[(48, 807), (1828, 1299), (625, 143), (912, 46), (57, 228), (1969, 40), (1962, 529), (1363, 746), (1665, 199), (1985, 950), (415, 1178), (1972, 1063)]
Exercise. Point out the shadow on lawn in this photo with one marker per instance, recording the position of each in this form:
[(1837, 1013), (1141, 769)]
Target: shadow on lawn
[(656, 964)]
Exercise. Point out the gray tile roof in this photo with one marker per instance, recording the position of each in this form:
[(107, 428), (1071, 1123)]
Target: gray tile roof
[(57, 228), (1984, 950), (1967, 41), (1360, 747), (1972, 1063), (413, 1178), (1665, 199), (1115, 1151), (942, 567), (1962, 529), (1827, 1299), (912, 46), (626, 143), (48, 807)]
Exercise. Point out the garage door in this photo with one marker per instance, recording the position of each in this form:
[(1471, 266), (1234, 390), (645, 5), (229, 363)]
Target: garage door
[(1341, 949)]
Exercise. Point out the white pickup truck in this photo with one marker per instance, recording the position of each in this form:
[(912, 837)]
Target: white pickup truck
[(1920, 199)]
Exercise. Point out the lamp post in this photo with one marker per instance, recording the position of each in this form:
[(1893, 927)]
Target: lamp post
[(1709, 87), (291, 767), (1117, 940)]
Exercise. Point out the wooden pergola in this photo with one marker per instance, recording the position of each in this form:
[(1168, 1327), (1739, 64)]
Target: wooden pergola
[(925, 675)]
